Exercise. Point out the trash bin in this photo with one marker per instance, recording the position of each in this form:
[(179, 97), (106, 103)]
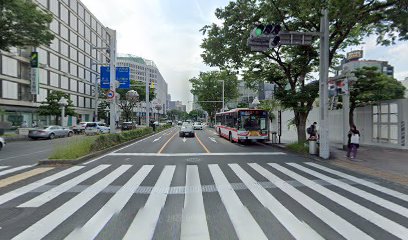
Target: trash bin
[(313, 147)]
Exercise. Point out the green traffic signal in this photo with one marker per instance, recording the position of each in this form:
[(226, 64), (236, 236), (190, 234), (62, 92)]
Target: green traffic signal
[(258, 32)]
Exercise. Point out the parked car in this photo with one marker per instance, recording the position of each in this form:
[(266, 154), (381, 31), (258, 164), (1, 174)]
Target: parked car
[(169, 122), (179, 123), (2, 143), (80, 128), (96, 128), (186, 130), (50, 132), (128, 126), (197, 126)]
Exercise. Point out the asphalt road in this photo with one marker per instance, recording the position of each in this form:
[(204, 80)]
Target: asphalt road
[(29, 152), (167, 187)]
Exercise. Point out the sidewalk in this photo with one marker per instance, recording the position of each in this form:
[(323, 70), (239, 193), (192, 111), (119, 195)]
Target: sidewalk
[(387, 163)]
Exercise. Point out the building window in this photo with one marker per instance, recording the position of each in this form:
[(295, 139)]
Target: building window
[(24, 93), (64, 49), (64, 14), (73, 38), (73, 69), (73, 54), (87, 102), (43, 2), (81, 43), (81, 58), (25, 70), (80, 11), (87, 89), (87, 62), (42, 56), (64, 66), (42, 96), (73, 5), (9, 66), (87, 18), (80, 101), (74, 99), (64, 32), (54, 26), (43, 76), (87, 33), (54, 61), (81, 88), (55, 44), (54, 7), (54, 79), (87, 75), (87, 48), (64, 82), (81, 73), (73, 86), (9, 90)]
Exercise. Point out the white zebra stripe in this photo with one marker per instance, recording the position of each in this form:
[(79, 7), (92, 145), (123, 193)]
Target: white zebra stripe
[(145, 221), (11, 170), (384, 223)]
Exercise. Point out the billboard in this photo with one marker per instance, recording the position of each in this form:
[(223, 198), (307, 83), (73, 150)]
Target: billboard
[(354, 55)]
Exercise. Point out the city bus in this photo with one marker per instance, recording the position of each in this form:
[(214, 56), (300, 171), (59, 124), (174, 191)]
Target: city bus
[(242, 124)]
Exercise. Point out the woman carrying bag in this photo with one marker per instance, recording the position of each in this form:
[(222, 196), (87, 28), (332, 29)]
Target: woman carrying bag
[(353, 142)]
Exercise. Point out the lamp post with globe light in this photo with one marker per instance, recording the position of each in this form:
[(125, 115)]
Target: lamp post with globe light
[(63, 102)]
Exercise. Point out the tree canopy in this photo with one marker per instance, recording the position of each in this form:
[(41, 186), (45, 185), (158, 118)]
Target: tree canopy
[(196, 114), (208, 87), (22, 24), (50, 107), (372, 87), (291, 67)]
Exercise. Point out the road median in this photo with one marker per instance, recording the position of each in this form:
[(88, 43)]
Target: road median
[(80, 151)]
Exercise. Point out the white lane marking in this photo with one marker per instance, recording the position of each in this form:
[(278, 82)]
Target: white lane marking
[(366, 195), (141, 140), (384, 223), (27, 188), (198, 154), (362, 182), (92, 228), (145, 221), (194, 221), (184, 139), (48, 223), (297, 228), (58, 190), (23, 155), (157, 139), (11, 170), (212, 139), (344, 228), (2, 167), (244, 224)]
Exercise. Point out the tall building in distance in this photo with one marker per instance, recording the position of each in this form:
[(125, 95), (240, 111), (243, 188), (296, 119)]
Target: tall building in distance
[(67, 64), (143, 70)]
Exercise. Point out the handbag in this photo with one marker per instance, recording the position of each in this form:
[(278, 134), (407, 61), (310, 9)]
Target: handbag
[(355, 138)]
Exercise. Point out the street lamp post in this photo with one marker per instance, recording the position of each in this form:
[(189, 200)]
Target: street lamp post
[(63, 103), (223, 93), (107, 110)]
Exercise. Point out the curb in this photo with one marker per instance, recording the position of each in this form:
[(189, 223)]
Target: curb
[(16, 139), (94, 154)]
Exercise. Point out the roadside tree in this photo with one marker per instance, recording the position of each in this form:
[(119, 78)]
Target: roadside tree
[(225, 44), (50, 107)]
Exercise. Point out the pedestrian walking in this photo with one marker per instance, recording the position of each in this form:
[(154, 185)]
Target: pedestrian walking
[(353, 142)]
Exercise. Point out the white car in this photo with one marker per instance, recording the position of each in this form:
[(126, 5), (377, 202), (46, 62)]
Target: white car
[(2, 143), (80, 128), (96, 128), (197, 126)]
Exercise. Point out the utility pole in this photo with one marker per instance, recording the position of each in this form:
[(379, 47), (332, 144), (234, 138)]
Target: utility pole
[(324, 149), (147, 100), (112, 66), (223, 92)]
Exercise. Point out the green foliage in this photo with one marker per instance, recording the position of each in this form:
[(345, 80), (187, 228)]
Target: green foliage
[(196, 113), (207, 87), (299, 147), (74, 149), (51, 107), (271, 106), (372, 87), (175, 114), (22, 24), (290, 67)]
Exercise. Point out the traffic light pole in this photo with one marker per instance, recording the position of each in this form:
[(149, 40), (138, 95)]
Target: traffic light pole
[(147, 101), (112, 66), (324, 148)]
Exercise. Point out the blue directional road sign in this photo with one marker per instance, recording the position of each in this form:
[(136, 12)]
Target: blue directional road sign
[(122, 75), (105, 77)]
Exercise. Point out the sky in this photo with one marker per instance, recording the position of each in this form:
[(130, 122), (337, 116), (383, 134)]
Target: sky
[(167, 32)]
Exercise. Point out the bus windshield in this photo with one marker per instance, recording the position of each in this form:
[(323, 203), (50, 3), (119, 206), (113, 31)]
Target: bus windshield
[(252, 120)]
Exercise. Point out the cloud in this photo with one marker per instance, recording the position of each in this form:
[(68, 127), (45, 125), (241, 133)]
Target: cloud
[(166, 32)]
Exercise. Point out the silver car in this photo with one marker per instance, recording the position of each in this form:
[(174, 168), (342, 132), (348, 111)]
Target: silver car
[(50, 132), (186, 130)]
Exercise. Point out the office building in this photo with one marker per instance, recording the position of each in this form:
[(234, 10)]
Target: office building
[(143, 70), (67, 64)]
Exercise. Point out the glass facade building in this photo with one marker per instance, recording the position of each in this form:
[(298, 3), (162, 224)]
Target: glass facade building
[(68, 64)]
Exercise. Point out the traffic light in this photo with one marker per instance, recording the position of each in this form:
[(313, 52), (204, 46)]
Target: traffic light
[(275, 39)]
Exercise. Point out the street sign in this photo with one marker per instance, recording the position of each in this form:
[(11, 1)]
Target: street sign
[(34, 59), (105, 77), (110, 94), (264, 42), (122, 75)]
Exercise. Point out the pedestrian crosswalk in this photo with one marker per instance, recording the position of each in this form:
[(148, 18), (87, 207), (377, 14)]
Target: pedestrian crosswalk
[(304, 200)]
